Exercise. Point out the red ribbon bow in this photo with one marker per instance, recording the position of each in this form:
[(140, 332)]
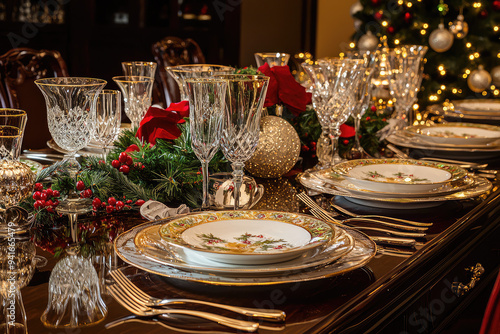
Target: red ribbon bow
[(162, 123), (283, 89)]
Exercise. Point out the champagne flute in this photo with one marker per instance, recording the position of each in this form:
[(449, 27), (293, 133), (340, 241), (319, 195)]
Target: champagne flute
[(206, 108), (108, 119)]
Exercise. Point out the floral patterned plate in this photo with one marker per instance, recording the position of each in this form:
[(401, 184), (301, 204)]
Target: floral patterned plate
[(457, 133), (246, 237), (398, 175)]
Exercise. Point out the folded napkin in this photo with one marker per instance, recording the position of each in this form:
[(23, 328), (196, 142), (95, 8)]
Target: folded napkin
[(153, 210), (284, 89)]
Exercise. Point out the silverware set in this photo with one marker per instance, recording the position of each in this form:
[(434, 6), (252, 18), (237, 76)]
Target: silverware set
[(144, 305)]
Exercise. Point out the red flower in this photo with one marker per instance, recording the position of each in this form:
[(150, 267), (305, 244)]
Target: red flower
[(283, 89), (347, 131), (132, 148), (162, 123)]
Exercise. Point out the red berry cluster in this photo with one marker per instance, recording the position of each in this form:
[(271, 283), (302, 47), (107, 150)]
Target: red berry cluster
[(84, 192), (125, 163), (45, 198), (114, 205)]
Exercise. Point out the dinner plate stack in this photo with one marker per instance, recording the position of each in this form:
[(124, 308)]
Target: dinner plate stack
[(456, 140), (474, 111), (396, 183), (245, 247)]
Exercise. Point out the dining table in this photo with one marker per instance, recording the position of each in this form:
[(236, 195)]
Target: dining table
[(441, 285)]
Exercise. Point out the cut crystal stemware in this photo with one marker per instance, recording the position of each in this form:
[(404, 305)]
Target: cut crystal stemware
[(240, 130), (272, 58), (207, 98), (108, 119), (139, 68), (12, 125), (137, 92)]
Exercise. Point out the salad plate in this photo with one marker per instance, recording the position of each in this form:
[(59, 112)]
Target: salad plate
[(398, 175), (469, 134), (477, 188), (339, 182), (246, 236), (149, 243), (487, 107), (363, 250)]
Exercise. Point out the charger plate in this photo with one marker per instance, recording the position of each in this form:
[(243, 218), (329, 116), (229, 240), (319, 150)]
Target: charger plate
[(478, 187), (246, 236), (339, 182), (362, 252), (149, 243), (398, 175)]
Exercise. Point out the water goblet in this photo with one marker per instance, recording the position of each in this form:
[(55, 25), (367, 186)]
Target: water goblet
[(240, 129), (271, 58), (12, 124), (139, 68), (71, 113), (182, 72), (137, 92), (207, 98), (108, 119)]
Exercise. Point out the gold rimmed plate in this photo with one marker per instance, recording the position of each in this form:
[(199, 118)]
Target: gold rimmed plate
[(469, 134), (246, 236)]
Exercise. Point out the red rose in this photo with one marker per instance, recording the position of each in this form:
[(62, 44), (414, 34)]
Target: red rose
[(162, 123)]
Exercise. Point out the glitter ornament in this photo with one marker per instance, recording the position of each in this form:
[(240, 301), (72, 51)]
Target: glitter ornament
[(495, 75), (479, 80), (279, 194), (459, 27), (441, 39), (277, 151), (367, 42)]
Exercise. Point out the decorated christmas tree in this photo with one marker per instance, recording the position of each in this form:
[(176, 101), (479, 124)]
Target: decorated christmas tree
[(463, 36)]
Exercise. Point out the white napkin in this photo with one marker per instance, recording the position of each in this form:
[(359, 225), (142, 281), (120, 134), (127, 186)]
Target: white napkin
[(153, 210)]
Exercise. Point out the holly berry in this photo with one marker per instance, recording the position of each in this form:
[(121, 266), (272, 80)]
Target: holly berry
[(119, 205), (43, 196), (373, 108), (87, 193), (408, 16), (305, 148), (140, 202), (49, 203), (123, 157), (391, 30), (346, 141), (112, 201), (55, 193), (125, 169), (368, 118), (110, 208), (115, 163), (38, 186), (378, 16), (80, 185), (129, 160), (129, 201), (102, 162), (38, 205), (96, 202), (49, 192), (36, 195)]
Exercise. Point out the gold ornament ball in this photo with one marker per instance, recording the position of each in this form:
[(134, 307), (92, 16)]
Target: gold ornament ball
[(279, 194), (495, 75), (459, 28), (441, 39), (368, 42), (277, 151), (479, 80)]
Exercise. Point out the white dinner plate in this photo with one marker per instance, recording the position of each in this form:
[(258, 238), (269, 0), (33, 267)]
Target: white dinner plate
[(246, 236), (149, 243), (487, 107), (398, 175), (469, 134)]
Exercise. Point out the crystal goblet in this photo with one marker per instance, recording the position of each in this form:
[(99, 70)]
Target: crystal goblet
[(108, 119), (12, 125), (137, 92), (240, 130), (182, 72), (71, 113), (271, 58), (207, 98), (139, 68)]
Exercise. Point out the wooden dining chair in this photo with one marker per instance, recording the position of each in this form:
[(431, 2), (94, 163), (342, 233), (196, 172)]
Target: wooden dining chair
[(19, 68), (172, 51)]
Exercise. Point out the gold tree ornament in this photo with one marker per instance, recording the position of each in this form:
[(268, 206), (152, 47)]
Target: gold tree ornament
[(479, 80), (277, 151)]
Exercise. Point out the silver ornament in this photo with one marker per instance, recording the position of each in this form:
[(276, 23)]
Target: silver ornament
[(495, 75), (459, 27), (356, 7), (441, 39), (357, 24), (479, 80), (368, 42)]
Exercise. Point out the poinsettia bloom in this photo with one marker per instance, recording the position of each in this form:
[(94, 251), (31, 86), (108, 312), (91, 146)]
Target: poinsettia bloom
[(347, 131), (284, 89), (162, 123), (132, 148)]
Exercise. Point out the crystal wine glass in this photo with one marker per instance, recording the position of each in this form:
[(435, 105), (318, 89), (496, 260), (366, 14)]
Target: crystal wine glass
[(71, 113), (137, 92), (108, 119), (182, 72), (12, 124), (139, 68), (240, 129), (207, 98), (271, 58)]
